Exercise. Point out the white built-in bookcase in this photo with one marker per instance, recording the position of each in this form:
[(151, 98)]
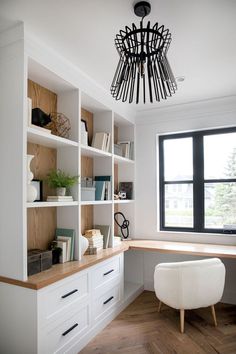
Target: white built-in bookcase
[(18, 218)]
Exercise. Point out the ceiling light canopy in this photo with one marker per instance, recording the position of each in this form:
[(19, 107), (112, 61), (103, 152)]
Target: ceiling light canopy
[(143, 68)]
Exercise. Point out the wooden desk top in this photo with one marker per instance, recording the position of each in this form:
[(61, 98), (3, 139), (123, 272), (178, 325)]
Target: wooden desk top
[(195, 249), (61, 271)]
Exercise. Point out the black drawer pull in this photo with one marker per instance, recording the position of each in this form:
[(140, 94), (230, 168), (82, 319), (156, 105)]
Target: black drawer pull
[(70, 329), (108, 300), (109, 271), (70, 293)]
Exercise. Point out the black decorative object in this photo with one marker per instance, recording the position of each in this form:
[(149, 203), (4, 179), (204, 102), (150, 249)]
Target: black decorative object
[(124, 226), (40, 118), (39, 187), (143, 61), (38, 261)]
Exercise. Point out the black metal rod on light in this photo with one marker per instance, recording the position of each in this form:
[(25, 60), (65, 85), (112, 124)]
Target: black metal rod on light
[(143, 63)]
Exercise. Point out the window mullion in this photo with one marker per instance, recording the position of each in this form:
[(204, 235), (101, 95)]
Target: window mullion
[(198, 182)]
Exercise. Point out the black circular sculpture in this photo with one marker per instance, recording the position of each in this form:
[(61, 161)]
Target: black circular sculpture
[(124, 227)]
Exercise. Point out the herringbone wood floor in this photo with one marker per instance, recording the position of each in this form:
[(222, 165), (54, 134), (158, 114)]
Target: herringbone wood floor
[(140, 329)]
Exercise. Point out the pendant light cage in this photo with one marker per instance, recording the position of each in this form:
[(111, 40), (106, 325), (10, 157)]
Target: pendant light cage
[(143, 68)]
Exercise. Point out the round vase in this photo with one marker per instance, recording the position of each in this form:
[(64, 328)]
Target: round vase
[(61, 192), (31, 190), (83, 244)]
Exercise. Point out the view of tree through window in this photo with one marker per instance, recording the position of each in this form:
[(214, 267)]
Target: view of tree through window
[(198, 181)]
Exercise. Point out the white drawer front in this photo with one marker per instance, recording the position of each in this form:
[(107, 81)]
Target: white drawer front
[(103, 303), (60, 297), (106, 272), (57, 338)]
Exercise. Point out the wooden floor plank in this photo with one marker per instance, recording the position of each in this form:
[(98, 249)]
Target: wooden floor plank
[(140, 329)]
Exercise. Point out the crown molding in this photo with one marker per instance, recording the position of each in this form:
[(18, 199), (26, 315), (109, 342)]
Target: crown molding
[(214, 107)]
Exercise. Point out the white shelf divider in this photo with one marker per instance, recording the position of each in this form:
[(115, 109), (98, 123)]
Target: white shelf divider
[(51, 204), (92, 152), (123, 201), (120, 159), (49, 140), (96, 202)]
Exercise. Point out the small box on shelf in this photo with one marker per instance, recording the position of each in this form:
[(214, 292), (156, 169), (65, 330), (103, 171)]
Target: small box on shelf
[(38, 261)]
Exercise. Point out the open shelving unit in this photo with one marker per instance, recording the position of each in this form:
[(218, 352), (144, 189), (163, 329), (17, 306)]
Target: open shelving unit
[(38, 220)]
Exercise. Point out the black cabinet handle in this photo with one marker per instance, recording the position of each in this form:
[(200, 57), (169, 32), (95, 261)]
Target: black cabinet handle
[(108, 300), (70, 329), (109, 271), (70, 293)]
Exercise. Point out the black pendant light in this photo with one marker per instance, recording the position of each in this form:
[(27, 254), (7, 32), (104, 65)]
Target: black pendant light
[(143, 68)]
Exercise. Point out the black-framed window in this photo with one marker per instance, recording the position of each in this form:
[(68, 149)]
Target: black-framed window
[(197, 172)]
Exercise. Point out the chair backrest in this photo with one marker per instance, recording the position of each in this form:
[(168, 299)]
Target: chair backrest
[(188, 285)]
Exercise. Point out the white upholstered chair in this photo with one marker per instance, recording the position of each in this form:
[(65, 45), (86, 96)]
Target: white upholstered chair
[(190, 285)]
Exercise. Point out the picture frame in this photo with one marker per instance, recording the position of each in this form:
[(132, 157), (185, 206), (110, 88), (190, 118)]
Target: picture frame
[(38, 184), (84, 126)]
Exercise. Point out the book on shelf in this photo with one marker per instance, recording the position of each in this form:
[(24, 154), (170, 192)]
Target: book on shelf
[(127, 148), (63, 246), (105, 231), (64, 235), (55, 198), (107, 186), (100, 190), (67, 241), (101, 141)]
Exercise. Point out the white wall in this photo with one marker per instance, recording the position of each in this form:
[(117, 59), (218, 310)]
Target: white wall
[(180, 118)]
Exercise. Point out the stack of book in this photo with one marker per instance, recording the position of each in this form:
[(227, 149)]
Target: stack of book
[(65, 239), (101, 141), (59, 198), (95, 239), (103, 187), (127, 148), (117, 240)]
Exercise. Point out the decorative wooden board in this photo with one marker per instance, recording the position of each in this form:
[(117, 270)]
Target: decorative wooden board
[(86, 218)]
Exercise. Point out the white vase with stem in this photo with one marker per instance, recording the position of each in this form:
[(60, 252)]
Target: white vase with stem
[(31, 190)]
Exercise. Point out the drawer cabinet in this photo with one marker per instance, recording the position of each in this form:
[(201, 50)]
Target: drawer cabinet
[(106, 272), (59, 297), (104, 303), (56, 338)]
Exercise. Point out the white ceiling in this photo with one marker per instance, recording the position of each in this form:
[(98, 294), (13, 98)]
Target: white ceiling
[(203, 47)]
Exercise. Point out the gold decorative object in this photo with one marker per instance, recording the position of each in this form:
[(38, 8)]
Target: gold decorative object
[(59, 125)]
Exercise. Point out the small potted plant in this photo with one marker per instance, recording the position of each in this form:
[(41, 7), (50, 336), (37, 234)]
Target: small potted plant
[(61, 181)]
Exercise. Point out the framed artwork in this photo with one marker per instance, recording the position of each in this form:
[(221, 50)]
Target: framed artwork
[(38, 184), (127, 189), (84, 127)]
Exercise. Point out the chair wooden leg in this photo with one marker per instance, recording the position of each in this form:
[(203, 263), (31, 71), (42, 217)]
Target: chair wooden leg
[(214, 315), (182, 321), (159, 306)]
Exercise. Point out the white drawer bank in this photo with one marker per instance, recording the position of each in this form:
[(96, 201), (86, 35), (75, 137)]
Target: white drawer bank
[(64, 316)]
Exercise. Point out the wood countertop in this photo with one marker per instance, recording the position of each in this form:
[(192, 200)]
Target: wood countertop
[(195, 249), (61, 271)]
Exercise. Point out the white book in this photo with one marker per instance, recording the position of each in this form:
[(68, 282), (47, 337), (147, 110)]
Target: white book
[(59, 199), (63, 255), (99, 141), (68, 241)]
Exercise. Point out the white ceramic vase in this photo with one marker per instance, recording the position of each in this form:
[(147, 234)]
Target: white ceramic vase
[(31, 190), (61, 191), (83, 244)]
